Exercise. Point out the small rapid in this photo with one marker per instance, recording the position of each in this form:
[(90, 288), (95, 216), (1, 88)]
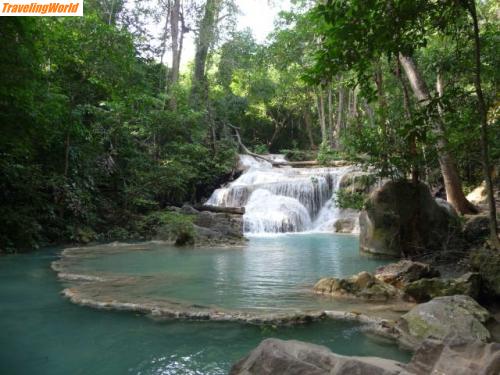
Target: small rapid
[(285, 199)]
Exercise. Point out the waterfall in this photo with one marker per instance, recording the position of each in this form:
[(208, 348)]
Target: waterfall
[(285, 199)]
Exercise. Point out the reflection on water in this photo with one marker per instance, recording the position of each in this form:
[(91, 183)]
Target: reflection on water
[(269, 274)]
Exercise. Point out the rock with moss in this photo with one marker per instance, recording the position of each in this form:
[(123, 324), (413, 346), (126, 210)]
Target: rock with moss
[(404, 272), (358, 181), (476, 229), (403, 219), (487, 263), (425, 289), (361, 286), (456, 319)]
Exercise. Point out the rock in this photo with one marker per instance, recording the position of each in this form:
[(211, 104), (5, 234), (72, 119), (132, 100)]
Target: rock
[(402, 219), (475, 358), (456, 319), (358, 182), (279, 357), (476, 229), (216, 228), (405, 271), (188, 209), (345, 225), (363, 286), (487, 263), (478, 195), (425, 289)]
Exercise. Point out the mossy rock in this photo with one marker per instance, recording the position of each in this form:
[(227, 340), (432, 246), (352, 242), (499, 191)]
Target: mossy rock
[(454, 318), (487, 263), (425, 289), (403, 219)]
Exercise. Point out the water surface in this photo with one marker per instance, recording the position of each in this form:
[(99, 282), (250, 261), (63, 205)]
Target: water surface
[(42, 333), (272, 274)]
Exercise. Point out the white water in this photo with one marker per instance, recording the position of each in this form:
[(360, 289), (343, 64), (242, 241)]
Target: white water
[(285, 199)]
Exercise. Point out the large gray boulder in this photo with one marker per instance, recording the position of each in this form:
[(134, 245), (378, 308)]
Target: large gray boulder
[(278, 357), (403, 219), (453, 319)]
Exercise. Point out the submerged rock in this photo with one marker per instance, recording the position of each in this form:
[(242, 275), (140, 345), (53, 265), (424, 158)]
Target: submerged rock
[(278, 357), (363, 286), (456, 319), (425, 289), (402, 219), (405, 271)]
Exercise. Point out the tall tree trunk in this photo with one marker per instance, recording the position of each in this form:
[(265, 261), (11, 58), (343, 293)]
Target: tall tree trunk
[(484, 127), (206, 37), (174, 32), (331, 125), (409, 117), (452, 181), (308, 123), (340, 112), (321, 114), (66, 155)]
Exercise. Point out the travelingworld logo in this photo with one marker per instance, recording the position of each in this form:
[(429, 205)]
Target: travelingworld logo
[(16, 8)]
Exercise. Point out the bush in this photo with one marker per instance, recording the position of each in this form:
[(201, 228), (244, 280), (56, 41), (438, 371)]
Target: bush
[(168, 225), (326, 154), (349, 199)]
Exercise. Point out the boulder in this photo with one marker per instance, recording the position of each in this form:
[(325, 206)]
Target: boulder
[(279, 357), (345, 225), (424, 290), (358, 182), (472, 358), (402, 219), (487, 263), (215, 228), (476, 229), (363, 286), (405, 271), (456, 319), (478, 195)]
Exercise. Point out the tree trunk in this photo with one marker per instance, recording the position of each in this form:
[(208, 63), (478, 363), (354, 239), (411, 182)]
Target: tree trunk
[(321, 114), (174, 31), (66, 155), (452, 181), (330, 117), (308, 122), (206, 37), (409, 116), (484, 128), (340, 111)]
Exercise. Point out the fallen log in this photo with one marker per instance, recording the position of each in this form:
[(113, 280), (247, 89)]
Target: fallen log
[(218, 209)]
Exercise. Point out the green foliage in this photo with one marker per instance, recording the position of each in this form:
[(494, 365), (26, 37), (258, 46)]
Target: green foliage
[(171, 225), (261, 149), (326, 154), (345, 198)]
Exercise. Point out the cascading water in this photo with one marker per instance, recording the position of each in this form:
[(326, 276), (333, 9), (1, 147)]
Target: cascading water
[(284, 199)]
